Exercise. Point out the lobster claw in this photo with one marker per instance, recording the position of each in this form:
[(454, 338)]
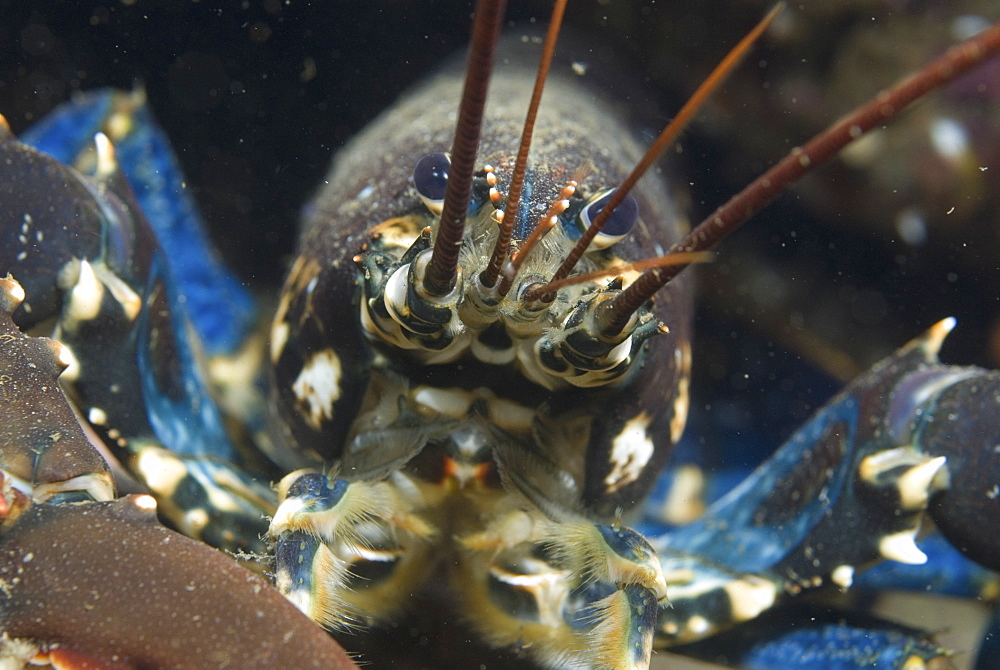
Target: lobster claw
[(44, 455), (92, 262), (951, 412), (959, 419), (104, 585), (848, 488), (852, 486), (70, 571)]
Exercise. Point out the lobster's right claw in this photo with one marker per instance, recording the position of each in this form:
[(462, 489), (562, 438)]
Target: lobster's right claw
[(104, 585), (44, 454)]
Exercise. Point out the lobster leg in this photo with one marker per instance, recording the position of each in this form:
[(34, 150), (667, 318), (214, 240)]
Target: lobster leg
[(579, 593)]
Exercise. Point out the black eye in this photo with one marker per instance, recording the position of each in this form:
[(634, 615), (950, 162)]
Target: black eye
[(430, 176), (615, 228)]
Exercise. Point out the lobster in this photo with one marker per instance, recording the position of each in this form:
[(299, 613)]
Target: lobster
[(383, 448)]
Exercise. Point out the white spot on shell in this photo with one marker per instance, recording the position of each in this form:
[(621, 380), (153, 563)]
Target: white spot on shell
[(318, 387), (85, 295), (279, 338), (145, 502), (749, 597), (631, 450), (698, 625)]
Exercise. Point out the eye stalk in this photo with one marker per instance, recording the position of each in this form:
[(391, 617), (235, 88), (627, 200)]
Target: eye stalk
[(618, 225), (430, 177)]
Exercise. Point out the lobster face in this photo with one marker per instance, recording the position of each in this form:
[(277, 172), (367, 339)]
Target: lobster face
[(494, 376)]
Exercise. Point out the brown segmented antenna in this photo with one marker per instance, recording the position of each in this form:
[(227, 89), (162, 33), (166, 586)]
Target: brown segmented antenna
[(953, 63), (666, 137), (442, 269), (492, 271)]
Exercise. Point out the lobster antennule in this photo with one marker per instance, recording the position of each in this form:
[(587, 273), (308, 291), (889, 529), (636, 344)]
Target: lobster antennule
[(801, 160), (443, 268), (547, 223), (492, 272)]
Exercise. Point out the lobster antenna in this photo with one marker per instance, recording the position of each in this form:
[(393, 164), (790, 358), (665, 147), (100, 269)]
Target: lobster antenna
[(666, 137), (492, 271), (443, 266), (953, 63)]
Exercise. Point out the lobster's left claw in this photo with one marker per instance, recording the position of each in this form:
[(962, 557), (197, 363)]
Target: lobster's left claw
[(106, 583), (850, 488), (962, 423), (847, 489)]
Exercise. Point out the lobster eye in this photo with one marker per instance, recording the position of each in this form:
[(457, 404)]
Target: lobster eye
[(430, 176), (615, 228)]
